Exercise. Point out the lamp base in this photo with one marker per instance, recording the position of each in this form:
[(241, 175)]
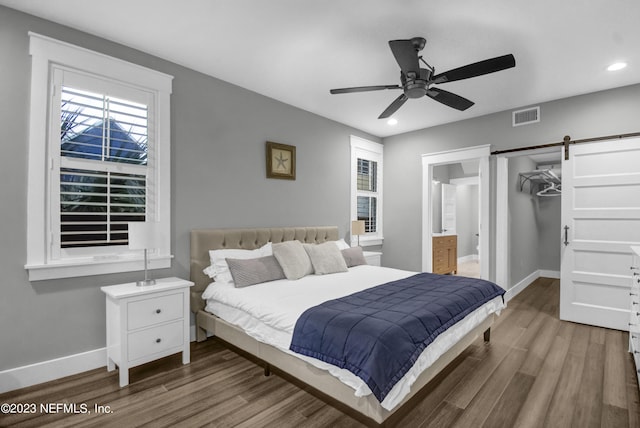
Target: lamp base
[(145, 282)]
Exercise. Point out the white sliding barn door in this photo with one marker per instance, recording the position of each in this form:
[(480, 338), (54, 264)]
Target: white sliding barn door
[(600, 220)]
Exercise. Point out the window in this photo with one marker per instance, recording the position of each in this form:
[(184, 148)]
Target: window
[(366, 188), (98, 159)]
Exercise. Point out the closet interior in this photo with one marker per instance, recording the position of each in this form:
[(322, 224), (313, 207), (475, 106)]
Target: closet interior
[(535, 187)]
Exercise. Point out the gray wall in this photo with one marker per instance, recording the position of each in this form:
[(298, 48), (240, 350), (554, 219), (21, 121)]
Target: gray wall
[(603, 113), (218, 134), (523, 223), (550, 233)]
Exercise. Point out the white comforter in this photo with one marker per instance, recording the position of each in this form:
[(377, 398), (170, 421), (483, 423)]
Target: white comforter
[(268, 312)]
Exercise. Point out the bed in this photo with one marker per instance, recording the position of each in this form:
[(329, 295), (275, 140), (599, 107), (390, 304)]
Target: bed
[(328, 380)]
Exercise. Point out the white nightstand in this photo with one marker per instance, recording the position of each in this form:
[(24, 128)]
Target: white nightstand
[(146, 323), (373, 257)]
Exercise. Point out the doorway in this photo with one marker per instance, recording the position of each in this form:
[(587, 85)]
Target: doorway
[(527, 218), (478, 154), (456, 216)]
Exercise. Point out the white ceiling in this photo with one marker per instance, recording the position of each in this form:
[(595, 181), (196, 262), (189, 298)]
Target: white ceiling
[(296, 50)]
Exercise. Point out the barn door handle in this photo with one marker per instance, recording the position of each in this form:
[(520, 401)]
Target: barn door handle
[(566, 236)]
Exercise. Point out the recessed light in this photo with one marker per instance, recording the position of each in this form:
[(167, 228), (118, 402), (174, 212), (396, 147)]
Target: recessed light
[(617, 66), (392, 121)]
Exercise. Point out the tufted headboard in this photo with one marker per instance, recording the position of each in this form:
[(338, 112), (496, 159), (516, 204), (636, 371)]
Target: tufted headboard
[(203, 240)]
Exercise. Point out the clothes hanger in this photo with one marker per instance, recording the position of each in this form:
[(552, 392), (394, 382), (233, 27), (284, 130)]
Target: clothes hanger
[(551, 190)]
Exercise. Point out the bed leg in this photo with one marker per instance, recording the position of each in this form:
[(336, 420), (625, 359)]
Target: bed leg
[(267, 370), (487, 335), (201, 334)]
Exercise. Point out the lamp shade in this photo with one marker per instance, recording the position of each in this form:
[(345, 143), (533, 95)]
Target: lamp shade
[(144, 235), (357, 227)]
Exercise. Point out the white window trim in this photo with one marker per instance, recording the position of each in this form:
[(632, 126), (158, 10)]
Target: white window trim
[(45, 51), (361, 148)]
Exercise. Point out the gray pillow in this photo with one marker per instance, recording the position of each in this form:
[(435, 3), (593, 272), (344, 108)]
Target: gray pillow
[(293, 258), (254, 271), (353, 256), (326, 258)]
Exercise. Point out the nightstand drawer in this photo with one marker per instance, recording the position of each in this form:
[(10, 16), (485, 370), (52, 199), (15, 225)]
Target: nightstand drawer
[(143, 313), (154, 340)]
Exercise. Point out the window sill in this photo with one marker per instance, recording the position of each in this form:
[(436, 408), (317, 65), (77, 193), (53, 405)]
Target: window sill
[(367, 242), (68, 269)]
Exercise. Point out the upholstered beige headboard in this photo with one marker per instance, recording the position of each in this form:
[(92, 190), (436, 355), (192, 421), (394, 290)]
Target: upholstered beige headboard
[(203, 240)]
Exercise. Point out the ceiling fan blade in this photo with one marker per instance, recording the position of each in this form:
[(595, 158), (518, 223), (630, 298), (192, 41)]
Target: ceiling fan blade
[(476, 69), (449, 99), (393, 107), (406, 56), (363, 89)]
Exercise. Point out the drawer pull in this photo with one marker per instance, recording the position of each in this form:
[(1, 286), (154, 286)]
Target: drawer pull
[(158, 311), (158, 340), (633, 294)]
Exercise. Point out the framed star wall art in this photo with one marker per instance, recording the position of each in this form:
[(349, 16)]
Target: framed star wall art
[(281, 161)]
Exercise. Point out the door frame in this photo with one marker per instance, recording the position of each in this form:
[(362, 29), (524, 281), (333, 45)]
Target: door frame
[(429, 161)]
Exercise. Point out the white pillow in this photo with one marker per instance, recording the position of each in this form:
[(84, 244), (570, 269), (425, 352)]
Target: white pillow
[(342, 244), (219, 269)]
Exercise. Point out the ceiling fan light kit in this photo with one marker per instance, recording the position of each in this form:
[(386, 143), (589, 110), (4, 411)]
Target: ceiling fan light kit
[(416, 82)]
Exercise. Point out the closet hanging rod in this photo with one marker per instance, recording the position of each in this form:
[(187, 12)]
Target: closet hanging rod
[(567, 140)]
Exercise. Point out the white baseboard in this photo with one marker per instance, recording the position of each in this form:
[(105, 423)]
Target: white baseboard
[(526, 281), (555, 274), (33, 374)]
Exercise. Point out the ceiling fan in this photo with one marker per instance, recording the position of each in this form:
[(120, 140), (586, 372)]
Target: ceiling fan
[(417, 82)]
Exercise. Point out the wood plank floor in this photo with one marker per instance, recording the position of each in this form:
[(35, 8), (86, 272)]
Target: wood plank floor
[(537, 371)]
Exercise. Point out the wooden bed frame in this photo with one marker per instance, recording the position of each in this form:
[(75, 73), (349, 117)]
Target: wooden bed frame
[(203, 240)]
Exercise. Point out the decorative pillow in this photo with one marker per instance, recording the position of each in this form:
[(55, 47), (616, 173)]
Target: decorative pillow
[(326, 258), (353, 256), (293, 259), (342, 244), (219, 270), (254, 271)]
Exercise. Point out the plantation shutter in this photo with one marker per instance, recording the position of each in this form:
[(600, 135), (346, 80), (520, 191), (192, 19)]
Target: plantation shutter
[(367, 194), (104, 164)]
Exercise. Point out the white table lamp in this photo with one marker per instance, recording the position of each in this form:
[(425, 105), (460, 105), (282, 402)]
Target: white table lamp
[(142, 236), (357, 229)]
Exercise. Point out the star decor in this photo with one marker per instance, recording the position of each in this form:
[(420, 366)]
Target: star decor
[(281, 161)]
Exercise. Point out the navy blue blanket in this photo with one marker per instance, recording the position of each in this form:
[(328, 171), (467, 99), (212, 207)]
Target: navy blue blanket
[(379, 333)]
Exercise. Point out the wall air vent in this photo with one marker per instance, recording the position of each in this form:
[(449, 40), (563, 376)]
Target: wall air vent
[(526, 116)]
